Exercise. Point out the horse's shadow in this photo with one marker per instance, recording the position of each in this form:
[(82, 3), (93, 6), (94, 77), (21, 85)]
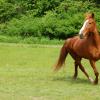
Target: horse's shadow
[(71, 80)]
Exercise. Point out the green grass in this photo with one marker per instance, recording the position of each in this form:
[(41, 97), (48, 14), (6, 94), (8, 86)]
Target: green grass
[(29, 40), (26, 73)]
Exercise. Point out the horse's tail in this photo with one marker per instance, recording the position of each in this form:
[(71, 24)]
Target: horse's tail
[(62, 57)]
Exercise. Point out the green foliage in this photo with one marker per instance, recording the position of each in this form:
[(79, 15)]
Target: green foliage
[(23, 27), (50, 26), (48, 18), (45, 5), (7, 11), (14, 8)]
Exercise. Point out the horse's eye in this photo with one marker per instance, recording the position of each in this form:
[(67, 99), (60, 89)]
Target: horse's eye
[(89, 23)]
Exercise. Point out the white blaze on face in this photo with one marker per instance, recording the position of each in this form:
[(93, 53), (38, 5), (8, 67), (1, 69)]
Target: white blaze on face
[(83, 27)]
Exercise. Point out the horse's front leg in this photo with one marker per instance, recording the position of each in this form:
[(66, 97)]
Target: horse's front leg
[(95, 71), (83, 70), (78, 63)]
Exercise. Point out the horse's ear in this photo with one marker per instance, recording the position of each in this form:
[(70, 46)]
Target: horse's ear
[(89, 15), (92, 15)]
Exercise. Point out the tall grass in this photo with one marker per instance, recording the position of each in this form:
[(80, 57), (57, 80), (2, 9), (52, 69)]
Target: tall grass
[(29, 40)]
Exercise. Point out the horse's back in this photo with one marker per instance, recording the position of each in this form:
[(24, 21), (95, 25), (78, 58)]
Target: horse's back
[(71, 41)]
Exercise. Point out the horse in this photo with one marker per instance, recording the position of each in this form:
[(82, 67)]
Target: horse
[(88, 47)]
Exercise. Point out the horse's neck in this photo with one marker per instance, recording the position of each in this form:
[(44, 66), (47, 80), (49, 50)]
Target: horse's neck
[(96, 39)]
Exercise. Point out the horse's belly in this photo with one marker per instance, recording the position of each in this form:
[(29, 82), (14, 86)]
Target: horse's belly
[(89, 53)]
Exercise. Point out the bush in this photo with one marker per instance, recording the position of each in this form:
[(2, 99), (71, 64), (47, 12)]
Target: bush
[(23, 27)]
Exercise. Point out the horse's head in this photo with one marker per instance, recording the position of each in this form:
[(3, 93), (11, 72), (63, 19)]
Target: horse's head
[(88, 26)]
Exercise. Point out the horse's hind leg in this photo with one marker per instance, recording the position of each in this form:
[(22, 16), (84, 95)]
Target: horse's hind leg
[(95, 71), (76, 70)]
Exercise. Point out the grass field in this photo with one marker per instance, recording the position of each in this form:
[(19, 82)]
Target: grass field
[(26, 73)]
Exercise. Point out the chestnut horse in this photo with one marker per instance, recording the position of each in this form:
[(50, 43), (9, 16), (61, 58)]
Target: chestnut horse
[(88, 48)]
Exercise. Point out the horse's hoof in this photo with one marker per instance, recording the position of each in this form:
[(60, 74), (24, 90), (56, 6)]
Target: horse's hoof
[(74, 77), (95, 82), (91, 80)]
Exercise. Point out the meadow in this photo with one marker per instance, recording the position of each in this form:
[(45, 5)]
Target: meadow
[(26, 73)]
